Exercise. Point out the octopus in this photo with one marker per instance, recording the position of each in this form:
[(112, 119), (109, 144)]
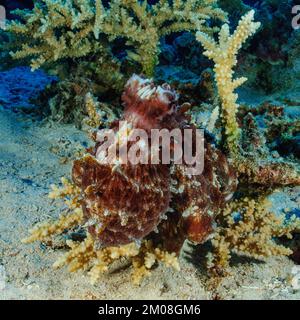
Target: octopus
[(124, 202)]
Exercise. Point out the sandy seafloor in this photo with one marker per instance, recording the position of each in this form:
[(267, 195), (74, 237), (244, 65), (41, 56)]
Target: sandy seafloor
[(33, 155)]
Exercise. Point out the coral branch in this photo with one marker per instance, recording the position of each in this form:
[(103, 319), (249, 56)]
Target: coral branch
[(252, 169), (84, 256), (224, 55), (43, 231), (247, 227), (71, 29), (70, 193)]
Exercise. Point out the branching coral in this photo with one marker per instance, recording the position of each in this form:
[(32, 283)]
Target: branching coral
[(143, 25), (224, 55), (247, 227), (70, 194), (73, 39), (63, 28), (86, 255), (54, 30), (58, 36), (251, 167)]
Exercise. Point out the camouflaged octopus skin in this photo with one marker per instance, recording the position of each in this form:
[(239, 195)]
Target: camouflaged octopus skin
[(125, 202)]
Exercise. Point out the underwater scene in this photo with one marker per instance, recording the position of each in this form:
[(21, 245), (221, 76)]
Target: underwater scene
[(150, 149)]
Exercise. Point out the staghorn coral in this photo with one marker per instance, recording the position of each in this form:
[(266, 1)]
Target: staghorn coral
[(247, 227), (83, 256), (73, 39), (143, 25), (37, 38), (73, 217), (253, 232), (252, 168), (224, 55), (58, 37), (266, 58), (53, 30), (64, 28), (125, 203)]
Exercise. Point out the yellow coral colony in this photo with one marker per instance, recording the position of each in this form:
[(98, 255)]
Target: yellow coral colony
[(73, 217), (143, 25), (224, 55), (38, 37), (82, 22), (251, 232), (85, 255)]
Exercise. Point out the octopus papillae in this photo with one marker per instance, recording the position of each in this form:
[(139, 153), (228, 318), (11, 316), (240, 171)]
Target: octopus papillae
[(125, 203)]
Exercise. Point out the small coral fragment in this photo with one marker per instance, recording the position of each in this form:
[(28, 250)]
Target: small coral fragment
[(94, 119), (70, 193), (45, 230), (247, 227)]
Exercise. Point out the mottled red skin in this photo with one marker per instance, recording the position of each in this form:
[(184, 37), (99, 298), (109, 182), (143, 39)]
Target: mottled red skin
[(218, 181), (146, 207), (111, 191)]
